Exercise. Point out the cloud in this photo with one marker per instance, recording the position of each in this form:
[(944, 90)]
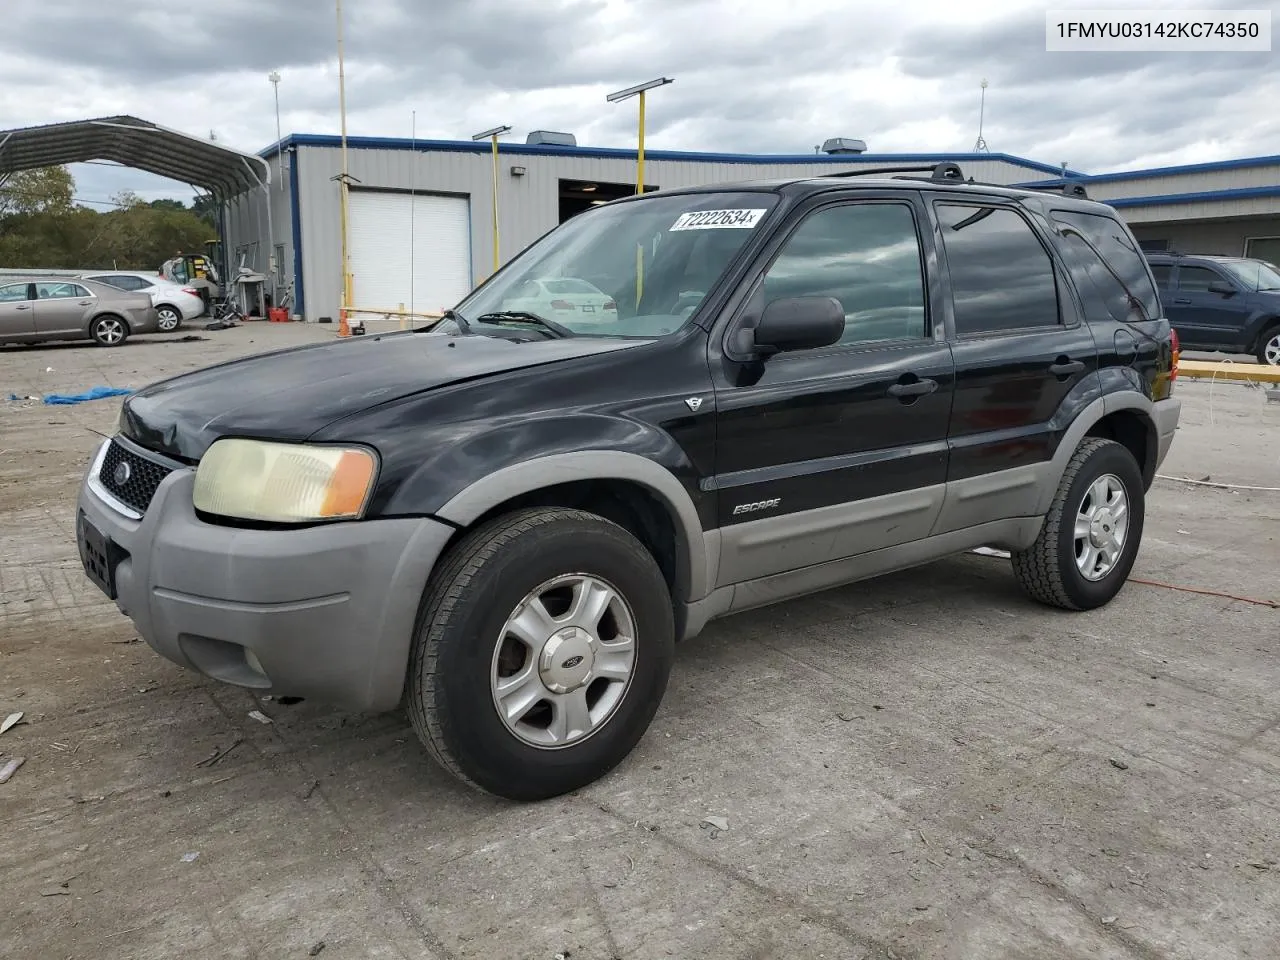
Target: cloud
[(751, 76)]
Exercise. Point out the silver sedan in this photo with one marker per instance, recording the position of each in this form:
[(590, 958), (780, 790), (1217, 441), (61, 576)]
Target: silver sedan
[(34, 309)]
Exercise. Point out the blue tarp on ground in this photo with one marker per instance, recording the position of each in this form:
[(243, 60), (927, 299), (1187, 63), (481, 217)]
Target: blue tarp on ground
[(96, 393)]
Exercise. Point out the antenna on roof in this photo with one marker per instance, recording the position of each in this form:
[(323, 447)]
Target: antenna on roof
[(981, 145)]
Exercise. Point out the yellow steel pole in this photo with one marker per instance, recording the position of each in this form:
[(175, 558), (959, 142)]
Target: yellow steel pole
[(495, 203), (640, 150), (342, 113)]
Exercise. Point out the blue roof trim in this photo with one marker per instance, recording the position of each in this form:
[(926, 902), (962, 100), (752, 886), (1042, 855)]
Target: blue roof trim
[(618, 153), (1244, 163), (1243, 193)]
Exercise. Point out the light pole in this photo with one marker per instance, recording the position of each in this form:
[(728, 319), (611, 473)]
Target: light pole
[(639, 90), (274, 77), (343, 179), (492, 135)]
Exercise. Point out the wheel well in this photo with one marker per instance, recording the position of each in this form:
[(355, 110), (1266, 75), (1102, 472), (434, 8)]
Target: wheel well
[(1269, 325), (629, 505), (1136, 433)]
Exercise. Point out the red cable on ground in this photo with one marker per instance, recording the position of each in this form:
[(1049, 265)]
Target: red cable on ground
[(1274, 605)]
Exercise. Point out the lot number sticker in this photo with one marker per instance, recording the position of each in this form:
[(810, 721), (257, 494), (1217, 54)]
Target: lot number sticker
[(718, 220)]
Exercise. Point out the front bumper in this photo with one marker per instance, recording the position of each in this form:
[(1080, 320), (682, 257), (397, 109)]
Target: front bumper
[(1165, 413), (325, 612)]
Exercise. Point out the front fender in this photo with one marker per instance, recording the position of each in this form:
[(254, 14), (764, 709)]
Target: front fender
[(462, 480)]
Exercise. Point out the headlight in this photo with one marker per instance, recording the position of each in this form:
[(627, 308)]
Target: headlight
[(284, 482)]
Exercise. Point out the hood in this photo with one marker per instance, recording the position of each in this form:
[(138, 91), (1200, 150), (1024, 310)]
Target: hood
[(290, 394)]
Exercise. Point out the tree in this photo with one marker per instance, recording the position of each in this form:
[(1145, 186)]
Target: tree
[(42, 228), (42, 190)]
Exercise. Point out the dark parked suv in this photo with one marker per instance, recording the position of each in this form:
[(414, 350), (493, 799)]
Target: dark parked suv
[(508, 520), (1230, 304)]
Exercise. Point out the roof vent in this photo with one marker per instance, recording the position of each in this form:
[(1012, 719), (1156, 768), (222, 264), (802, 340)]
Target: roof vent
[(549, 138), (844, 145)]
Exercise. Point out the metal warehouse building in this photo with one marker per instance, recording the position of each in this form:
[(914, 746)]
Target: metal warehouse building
[(421, 233)]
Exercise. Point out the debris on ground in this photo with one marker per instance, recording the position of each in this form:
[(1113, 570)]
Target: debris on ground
[(716, 825), (94, 393), (10, 768), (260, 716), (315, 951), (11, 721), (217, 755), (190, 857), (1119, 764)]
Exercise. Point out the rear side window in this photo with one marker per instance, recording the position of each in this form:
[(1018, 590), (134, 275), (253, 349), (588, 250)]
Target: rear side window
[(60, 291), (1002, 277), (1128, 267)]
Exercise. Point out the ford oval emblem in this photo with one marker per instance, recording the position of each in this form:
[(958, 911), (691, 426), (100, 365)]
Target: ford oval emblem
[(570, 663), (122, 473)]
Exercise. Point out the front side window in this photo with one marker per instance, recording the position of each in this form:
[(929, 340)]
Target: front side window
[(865, 255), (1196, 279), (1116, 268), (639, 268), (1002, 277), (1164, 275), (13, 293), (1255, 275)]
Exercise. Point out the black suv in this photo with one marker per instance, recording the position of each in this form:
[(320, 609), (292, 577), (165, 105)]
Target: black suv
[(510, 518), (1221, 303)]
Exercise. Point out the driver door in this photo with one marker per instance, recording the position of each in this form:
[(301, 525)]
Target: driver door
[(17, 316), (826, 453)]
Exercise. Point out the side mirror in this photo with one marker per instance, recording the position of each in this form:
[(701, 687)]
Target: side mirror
[(799, 323), (1222, 287)]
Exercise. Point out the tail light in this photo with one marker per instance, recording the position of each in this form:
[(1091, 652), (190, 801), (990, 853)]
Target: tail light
[(611, 305), (561, 304), (191, 290), (1177, 353)]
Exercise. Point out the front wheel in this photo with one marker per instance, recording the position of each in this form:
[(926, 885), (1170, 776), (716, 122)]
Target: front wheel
[(1269, 347), (542, 652), (1090, 537)]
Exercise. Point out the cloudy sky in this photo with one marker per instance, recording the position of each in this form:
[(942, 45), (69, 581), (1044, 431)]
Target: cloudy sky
[(757, 76)]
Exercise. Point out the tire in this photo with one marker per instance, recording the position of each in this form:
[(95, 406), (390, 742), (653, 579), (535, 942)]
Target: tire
[(108, 330), (1049, 570), (462, 649), (170, 318), (1269, 347)]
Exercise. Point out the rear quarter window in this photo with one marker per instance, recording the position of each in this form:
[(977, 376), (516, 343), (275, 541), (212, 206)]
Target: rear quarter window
[(1100, 287)]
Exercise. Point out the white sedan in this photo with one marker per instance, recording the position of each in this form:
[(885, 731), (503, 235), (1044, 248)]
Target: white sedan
[(564, 298), (173, 302)]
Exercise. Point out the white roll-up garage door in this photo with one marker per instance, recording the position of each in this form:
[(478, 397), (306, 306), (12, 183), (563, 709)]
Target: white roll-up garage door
[(386, 226)]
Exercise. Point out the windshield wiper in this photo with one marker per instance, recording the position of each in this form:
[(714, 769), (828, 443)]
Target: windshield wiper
[(523, 316)]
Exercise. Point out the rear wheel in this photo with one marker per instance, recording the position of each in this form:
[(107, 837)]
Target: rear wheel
[(543, 649), (170, 318), (109, 330), (1091, 535), (1269, 347)]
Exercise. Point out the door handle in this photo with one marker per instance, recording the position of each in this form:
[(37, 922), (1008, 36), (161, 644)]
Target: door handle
[(915, 388), (1182, 301), (23, 306), (86, 303), (1065, 367)]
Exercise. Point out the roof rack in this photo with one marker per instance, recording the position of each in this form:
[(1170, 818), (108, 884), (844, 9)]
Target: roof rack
[(937, 171), (1069, 189)]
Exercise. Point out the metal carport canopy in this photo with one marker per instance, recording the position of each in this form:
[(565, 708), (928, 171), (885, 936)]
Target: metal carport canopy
[(135, 143)]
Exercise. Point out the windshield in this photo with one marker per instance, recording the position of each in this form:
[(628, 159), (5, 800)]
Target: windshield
[(1254, 274), (634, 269)]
